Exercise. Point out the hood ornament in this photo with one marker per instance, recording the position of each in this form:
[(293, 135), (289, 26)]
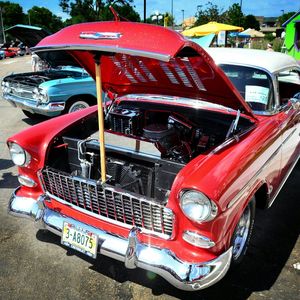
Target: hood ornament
[(94, 35)]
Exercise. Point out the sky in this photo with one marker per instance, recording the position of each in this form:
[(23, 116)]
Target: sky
[(267, 8)]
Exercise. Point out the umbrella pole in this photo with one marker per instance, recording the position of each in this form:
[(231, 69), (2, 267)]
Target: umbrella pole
[(100, 119)]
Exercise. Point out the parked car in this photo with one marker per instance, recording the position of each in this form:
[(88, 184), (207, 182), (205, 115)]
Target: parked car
[(9, 52), (2, 54), (190, 153), (49, 92)]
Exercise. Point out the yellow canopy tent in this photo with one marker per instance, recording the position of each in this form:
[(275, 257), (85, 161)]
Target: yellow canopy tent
[(253, 33), (210, 27)]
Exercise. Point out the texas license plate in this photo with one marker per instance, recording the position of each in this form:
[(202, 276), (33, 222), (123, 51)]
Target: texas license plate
[(79, 239)]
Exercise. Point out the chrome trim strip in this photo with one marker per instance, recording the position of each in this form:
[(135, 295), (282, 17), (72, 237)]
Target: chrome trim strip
[(185, 275), (283, 182), (252, 180), (114, 49), (289, 136)]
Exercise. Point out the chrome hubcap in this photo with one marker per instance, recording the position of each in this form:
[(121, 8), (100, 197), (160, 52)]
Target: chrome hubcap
[(241, 233), (78, 106)]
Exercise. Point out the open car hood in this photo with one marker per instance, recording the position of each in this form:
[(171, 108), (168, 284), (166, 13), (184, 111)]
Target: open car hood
[(143, 58), (29, 35)]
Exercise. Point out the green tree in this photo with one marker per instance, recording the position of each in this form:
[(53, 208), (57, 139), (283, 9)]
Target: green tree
[(12, 14), (97, 10), (234, 15), (285, 17), (208, 13), (43, 17), (251, 22)]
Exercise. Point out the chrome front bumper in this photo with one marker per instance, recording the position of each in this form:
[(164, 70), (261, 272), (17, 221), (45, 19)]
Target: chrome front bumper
[(49, 109), (183, 275)]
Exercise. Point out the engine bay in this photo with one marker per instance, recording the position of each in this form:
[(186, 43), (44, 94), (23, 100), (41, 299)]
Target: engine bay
[(146, 144), (36, 78), (178, 135)]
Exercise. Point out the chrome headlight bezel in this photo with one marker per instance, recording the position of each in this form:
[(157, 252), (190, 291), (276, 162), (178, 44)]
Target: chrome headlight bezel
[(41, 95), (197, 206), (5, 86), (19, 156)]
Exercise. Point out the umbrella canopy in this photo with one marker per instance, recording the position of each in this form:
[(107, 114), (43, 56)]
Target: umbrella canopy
[(239, 35), (253, 33), (210, 27)]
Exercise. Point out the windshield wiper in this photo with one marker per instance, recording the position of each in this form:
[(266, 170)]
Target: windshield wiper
[(234, 124)]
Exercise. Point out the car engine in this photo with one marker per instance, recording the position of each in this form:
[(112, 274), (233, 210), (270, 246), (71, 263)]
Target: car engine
[(146, 145)]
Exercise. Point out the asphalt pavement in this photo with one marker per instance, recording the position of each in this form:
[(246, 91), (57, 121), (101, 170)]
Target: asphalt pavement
[(33, 264)]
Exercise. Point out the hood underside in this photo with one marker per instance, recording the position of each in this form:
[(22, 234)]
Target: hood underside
[(29, 35), (142, 58)]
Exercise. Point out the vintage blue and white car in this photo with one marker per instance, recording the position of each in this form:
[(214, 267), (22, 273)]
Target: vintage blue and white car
[(51, 92), (63, 88)]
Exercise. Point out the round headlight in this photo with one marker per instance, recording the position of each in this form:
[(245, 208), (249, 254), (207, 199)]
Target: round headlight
[(197, 207), (6, 83), (40, 95), (18, 155)]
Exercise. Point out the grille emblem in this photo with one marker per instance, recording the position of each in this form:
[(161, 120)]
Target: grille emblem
[(93, 35)]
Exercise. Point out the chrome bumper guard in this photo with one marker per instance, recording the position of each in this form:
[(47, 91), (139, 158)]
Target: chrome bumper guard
[(33, 106), (183, 275)]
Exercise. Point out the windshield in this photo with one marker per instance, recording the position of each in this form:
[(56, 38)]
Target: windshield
[(254, 85)]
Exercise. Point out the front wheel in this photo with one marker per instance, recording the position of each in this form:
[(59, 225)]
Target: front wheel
[(76, 105), (242, 233)]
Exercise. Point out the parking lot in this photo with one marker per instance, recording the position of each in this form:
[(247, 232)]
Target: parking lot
[(33, 264)]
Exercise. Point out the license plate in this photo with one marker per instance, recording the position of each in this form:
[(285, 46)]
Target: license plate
[(79, 239)]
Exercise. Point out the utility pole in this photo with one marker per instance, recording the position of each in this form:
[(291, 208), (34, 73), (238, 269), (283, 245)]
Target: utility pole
[(172, 14), (182, 17), (2, 10), (144, 11)]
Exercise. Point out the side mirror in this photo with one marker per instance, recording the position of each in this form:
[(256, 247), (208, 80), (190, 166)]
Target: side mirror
[(296, 96), (295, 102)]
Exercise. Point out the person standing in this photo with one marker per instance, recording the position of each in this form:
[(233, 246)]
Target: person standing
[(270, 47)]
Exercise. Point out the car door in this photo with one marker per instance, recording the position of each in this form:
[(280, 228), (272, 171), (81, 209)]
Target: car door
[(289, 118)]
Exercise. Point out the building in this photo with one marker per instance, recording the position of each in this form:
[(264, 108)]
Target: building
[(292, 35)]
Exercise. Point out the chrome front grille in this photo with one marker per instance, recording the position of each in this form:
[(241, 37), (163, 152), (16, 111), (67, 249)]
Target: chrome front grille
[(109, 203), (22, 90)]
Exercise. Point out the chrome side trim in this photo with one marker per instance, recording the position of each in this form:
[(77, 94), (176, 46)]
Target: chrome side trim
[(267, 162), (283, 182), (252, 180), (189, 276)]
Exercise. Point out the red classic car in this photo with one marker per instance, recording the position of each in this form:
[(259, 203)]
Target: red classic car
[(10, 52), (168, 178)]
